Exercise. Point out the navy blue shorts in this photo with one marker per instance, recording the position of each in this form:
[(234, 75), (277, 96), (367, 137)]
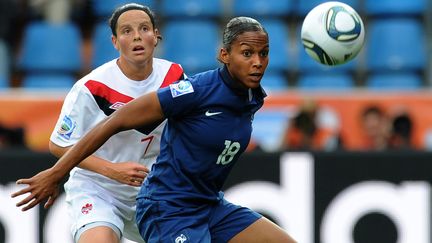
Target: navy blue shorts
[(160, 221)]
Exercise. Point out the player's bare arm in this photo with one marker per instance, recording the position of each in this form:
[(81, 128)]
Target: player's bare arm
[(44, 185), (127, 172)]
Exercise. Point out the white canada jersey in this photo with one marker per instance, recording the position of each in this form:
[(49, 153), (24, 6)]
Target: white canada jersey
[(95, 97)]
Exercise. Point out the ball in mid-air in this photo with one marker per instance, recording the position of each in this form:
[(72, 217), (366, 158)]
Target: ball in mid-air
[(332, 33)]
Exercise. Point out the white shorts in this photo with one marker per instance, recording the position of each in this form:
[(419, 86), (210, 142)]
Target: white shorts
[(89, 203)]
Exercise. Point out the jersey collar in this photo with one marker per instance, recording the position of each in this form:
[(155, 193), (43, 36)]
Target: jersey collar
[(239, 90)]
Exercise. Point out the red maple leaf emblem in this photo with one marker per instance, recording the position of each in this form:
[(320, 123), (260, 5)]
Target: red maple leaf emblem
[(86, 208)]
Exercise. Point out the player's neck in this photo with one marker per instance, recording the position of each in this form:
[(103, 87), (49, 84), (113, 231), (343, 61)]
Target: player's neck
[(135, 72)]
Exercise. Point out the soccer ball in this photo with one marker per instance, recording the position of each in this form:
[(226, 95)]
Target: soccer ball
[(332, 33)]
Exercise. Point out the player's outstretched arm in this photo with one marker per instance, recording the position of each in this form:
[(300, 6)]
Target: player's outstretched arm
[(145, 110), (127, 172)]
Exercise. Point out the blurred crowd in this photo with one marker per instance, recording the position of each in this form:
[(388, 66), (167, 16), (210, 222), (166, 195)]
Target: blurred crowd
[(311, 127)]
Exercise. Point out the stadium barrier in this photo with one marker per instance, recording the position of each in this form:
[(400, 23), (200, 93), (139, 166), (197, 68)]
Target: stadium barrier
[(341, 197)]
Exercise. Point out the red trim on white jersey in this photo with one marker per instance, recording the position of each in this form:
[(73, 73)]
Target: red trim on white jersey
[(103, 91), (174, 73)]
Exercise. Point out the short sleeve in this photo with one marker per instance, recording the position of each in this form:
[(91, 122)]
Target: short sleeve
[(179, 98), (78, 115)]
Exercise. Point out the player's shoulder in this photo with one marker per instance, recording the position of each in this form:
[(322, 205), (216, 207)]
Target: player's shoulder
[(163, 62), (199, 84), (160, 61), (205, 79), (104, 70), (166, 65), (170, 71)]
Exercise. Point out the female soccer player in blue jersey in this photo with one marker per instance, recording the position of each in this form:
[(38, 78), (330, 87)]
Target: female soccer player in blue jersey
[(209, 123)]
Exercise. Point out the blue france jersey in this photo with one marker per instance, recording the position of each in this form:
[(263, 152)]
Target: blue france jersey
[(209, 126)]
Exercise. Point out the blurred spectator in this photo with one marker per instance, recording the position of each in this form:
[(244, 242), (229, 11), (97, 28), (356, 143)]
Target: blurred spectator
[(8, 9), (11, 137), (5, 60), (55, 11), (253, 146), (376, 128), (401, 132), (305, 132), (7, 14)]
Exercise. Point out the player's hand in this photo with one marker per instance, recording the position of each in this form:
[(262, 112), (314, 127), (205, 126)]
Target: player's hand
[(42, 186), (130, 173)]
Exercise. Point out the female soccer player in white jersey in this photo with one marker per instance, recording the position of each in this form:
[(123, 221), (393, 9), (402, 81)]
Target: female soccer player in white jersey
[(209, 125), (101, 193)]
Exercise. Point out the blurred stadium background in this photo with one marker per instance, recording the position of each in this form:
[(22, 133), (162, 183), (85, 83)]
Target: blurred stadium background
[(39, 34), (46, 45)]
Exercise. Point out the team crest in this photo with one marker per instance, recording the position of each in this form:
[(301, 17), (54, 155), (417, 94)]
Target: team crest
[(86, 208), (181, 88), (66, 127), (181, 239)]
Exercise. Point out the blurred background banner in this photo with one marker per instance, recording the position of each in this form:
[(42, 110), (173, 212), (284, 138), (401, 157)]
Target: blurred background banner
[(338, 197), (339, 113)]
